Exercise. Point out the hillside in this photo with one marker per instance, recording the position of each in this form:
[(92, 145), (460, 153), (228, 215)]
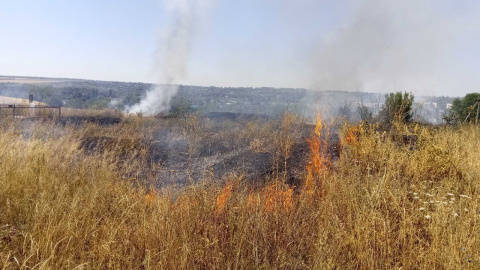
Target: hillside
[(269, 101)]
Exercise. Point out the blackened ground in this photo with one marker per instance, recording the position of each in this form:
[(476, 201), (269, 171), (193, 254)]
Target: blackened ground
[(223, 116), (178, 158), (78, 120)]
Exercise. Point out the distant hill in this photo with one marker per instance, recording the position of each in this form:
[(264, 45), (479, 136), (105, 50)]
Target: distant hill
[(28, 80), (82, 94)]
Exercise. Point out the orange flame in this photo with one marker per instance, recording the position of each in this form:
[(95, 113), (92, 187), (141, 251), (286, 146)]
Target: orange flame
[(150, 196), (351, 135), (222, 199), (318, 159), (275, 197), (318, 126)]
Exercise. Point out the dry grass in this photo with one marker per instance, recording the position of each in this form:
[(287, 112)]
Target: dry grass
[(17, 101), (26, 80), (383, 205)]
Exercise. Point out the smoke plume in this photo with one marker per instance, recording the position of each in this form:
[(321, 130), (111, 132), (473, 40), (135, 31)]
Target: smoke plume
[(187, 17), (384, 45)]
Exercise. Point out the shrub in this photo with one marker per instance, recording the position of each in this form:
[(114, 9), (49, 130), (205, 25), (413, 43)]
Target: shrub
[(397, 107), (462, 109)]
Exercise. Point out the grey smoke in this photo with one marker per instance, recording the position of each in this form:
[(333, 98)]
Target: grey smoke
[(172, 59), (385, 45)]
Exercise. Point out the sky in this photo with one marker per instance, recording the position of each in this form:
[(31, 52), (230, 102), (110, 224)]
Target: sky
[(429, 47)]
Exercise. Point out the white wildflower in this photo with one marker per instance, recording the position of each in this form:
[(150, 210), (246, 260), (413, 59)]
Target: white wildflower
[(427, 216), (421, 209), (416, 198), (455, 214)]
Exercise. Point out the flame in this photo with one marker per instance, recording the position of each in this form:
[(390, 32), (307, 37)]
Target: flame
[(272, 198), (319, 126), (275, 197), (319, 161), (222, 198), (351, 135), (150, 197)]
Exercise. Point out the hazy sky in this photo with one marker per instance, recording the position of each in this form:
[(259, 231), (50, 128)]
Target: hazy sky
[(428, 47)]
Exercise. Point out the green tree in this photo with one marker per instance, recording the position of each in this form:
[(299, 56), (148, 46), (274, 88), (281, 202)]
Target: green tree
[(397, 107), (462, 109), (100, 103), (181, 107)]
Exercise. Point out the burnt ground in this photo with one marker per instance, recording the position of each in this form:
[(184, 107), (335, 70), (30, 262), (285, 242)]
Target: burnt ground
[(99, 120), (223, 116), (213, 153), (218, 146)]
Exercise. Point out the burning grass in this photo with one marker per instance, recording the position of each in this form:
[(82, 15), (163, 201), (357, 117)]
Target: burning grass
[(381, 205)]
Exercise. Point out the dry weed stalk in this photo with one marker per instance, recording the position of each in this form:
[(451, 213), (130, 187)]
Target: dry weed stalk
[(385, 205)]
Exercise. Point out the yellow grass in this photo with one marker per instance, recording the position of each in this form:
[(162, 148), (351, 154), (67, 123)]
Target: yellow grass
[(107, 112), (381, 206), (26, 80), (17, 101)]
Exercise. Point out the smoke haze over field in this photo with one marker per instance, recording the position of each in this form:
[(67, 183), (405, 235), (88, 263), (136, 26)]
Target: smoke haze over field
[(429, 47), (171, 60), (426, 47), (386, 45)]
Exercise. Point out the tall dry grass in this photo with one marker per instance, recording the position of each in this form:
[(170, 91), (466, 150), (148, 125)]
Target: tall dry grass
[(382, 205)]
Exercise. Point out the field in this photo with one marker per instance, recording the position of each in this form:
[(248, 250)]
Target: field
[(17, 101), (187, 192), (28, 80)]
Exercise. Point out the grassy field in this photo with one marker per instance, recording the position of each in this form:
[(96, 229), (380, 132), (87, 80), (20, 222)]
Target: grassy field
[(28, 80), (384, 204), (17, 101)]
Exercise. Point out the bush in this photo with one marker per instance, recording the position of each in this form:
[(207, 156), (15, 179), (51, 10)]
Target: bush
[(397, 107), (462, 109), (181, 107)]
